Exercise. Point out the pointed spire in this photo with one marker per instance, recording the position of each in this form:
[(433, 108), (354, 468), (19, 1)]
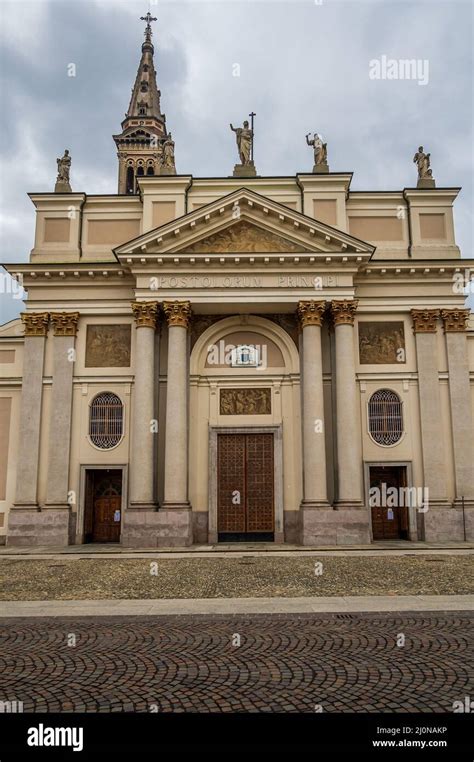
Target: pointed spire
[(145, 100), (144, 146)]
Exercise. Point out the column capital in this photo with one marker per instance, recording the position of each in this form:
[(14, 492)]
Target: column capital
[(177, 313), (343, 311), (145, 314), (64, 323), (311, 312), (35, 323), (455, 321), (424, 321)]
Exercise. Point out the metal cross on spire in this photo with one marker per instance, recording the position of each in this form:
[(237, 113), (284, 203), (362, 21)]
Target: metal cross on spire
[(148, 18)]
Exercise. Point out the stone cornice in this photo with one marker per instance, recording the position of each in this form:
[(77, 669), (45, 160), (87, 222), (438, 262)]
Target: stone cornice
[(455, 321), (425, 320), (343, 312), (416, 267), (311, 312), (35, 323), (64, 323), (177, 313), (145, 314), (61, 273)]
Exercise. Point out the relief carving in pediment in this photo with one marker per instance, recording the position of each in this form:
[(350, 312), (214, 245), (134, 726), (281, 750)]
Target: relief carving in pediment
[(245, 237)]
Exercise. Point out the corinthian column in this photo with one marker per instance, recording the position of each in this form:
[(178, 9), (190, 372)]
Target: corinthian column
[(348, 435), (178, 315), (425, 325), (314, 449), (36, 329), (142, 454), (455, 326), (65, 329)]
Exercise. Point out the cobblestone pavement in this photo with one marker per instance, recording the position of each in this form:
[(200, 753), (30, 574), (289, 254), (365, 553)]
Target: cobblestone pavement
[(340, 662), (248, 577)]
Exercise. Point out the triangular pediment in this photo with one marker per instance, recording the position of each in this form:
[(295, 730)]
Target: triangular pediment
[(243, 222)]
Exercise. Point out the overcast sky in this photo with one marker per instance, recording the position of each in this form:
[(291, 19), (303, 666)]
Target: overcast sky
[(304, 66)]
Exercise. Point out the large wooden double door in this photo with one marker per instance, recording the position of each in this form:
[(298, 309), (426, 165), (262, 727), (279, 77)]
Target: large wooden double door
[(245, 487)]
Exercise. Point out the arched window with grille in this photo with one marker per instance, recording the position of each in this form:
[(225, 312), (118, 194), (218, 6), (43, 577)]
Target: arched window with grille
[(385, 417), (106, 420)]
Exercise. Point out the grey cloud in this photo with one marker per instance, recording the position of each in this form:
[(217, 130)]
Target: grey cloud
[(303, 67)]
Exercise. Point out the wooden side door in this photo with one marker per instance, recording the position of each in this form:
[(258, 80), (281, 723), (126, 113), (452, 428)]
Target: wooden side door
[(389, 522), (107, 507)]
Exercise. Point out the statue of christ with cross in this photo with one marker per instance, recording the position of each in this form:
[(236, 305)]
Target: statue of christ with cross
[(244, 138)]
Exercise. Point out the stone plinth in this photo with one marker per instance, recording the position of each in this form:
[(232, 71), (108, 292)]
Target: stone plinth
[(30, 527), (320, 169), (200, 520), (62, 187), (447, 524), (245, 170), (428, 182), (329, 527), (152, 529)]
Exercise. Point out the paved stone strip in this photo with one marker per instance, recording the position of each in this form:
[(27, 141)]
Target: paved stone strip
[(307, 604), (339, 662)]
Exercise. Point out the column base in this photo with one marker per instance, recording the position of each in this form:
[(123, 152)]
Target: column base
[(25, 507), (468, 503), (36, 527), (168, 505), (171, 526), (139, 506), (334, 527), (439, 502), (320, 505), (448, 524), (348, 505)]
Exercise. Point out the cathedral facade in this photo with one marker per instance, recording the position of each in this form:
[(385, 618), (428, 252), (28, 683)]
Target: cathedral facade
[(240, 358)]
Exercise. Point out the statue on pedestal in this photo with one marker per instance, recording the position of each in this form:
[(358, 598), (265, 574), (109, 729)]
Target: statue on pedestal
[(320, 153), (62, 180), (244, 138), (168, 161), (425, 173)]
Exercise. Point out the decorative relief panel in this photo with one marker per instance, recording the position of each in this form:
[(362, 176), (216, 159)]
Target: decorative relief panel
[(244, 237), (246, 401), (381, 343), (108, 346)]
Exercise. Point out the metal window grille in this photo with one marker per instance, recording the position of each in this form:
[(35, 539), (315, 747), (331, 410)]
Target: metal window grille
[(245, 355), (106, 420), (385, 417)]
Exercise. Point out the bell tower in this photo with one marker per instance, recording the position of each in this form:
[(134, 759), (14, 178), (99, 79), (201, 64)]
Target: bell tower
[(144, 147)]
